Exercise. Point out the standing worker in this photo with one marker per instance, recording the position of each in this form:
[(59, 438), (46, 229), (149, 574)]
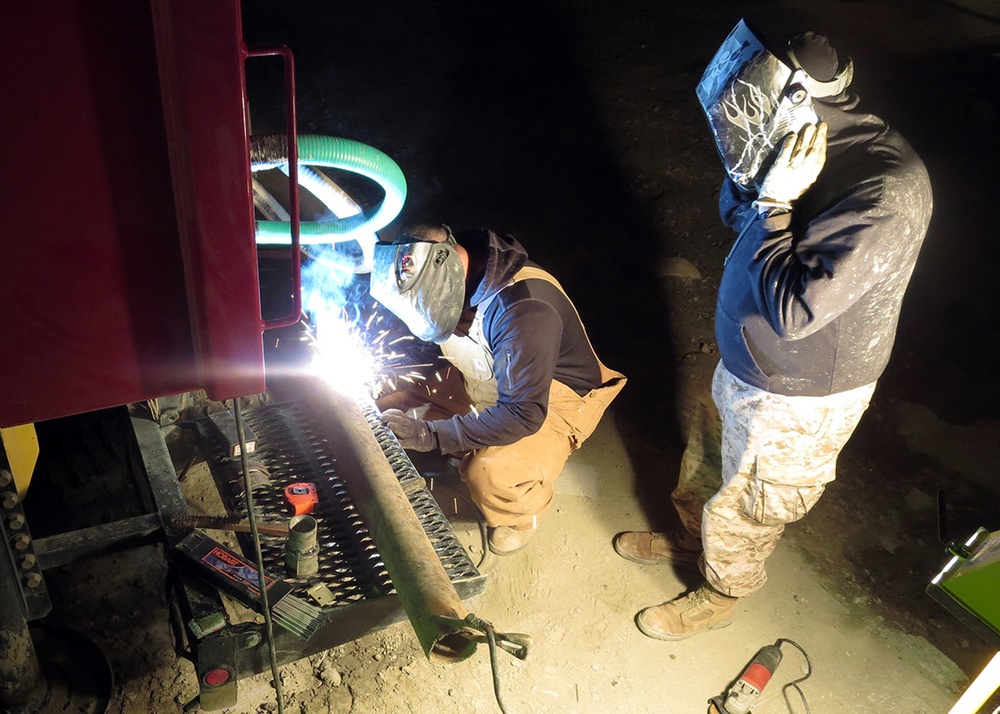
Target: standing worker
[(807, 309), (530, 389)]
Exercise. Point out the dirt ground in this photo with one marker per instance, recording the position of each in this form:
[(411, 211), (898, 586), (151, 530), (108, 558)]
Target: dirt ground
[(574, 126)]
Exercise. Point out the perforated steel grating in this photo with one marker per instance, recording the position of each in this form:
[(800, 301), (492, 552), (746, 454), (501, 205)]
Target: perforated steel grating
[(292, 448)]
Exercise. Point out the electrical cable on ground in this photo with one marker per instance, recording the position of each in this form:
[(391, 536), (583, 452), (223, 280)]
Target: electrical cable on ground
[(258, 555), (491, 640), (480, 521), (488, 628), (794, 684)]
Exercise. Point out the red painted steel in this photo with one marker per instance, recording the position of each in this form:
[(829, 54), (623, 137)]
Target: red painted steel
[(129, 265), (201, 61)]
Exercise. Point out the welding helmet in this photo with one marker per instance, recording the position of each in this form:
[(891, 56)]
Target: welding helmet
[(421, 282), (753, 100)]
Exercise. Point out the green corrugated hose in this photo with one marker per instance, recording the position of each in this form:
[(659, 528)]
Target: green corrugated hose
[(271, 151)]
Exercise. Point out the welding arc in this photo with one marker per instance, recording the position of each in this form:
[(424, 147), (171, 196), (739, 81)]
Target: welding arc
[(271, 151)]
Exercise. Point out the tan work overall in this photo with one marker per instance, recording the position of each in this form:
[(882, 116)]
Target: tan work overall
[(513, 485)]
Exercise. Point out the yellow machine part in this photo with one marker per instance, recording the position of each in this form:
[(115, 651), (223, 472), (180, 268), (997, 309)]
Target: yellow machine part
[(21, 444)]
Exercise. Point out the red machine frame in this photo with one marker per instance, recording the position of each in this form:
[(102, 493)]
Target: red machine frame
[(129, 246)]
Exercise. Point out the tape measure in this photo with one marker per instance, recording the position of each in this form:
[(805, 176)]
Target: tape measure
[(302, 497)]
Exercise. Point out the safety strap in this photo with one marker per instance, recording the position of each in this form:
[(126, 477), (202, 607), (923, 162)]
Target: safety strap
[(529, 272)]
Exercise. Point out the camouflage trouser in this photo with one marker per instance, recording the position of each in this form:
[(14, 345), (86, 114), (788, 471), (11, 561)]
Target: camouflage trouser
[(777, 455)]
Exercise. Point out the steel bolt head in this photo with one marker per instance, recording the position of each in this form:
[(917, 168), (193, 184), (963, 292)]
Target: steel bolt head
[(20, 542), (9, 500), (16, 522), (32, 580), (6, 478), (28, 562)]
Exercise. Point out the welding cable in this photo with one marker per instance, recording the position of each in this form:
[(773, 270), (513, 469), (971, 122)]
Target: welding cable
[(259, 555), (270, 151), (794, 684), (491, 640)]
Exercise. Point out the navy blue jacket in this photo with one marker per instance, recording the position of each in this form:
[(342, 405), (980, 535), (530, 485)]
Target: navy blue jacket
[(536, 337), (810, 300)]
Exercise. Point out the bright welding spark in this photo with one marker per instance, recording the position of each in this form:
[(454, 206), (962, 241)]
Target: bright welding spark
[(354, 349), (341, 356), (357, 358)]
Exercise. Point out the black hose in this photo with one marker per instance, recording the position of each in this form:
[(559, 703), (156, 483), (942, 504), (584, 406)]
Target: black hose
[(795, 682), (480, 521), (491, 640)]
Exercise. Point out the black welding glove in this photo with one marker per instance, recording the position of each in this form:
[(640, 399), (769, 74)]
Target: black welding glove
[(413, 434)]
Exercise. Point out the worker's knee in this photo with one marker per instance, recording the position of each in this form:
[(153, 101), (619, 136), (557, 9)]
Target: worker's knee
[(504, 471), (508, 492)]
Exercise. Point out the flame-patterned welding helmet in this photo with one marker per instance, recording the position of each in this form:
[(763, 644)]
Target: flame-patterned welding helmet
[(422, 283), (752, 101)]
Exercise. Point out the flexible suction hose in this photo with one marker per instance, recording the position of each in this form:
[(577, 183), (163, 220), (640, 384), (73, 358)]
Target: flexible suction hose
[(271, 151)]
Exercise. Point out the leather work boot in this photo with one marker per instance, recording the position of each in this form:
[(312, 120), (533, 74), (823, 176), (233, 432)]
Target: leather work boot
[(651, 548), (699, 610), (505, 540)]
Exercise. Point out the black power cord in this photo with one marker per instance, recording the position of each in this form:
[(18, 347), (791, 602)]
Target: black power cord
[(491, 639), (480, 521), (794, 684)]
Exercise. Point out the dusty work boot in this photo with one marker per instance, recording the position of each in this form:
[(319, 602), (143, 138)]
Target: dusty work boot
[(699, 610), (652, 548), (505, 540)]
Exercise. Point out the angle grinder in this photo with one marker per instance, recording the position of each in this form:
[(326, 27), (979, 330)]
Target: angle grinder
[(745, 691)]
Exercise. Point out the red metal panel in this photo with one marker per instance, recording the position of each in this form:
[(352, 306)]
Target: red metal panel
[(124, 277), (201, 55)]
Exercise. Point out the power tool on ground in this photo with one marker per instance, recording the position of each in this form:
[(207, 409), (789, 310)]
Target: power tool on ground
[(747, 688)]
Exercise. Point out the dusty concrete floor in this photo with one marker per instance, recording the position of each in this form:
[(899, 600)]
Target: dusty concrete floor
[(573, 125)]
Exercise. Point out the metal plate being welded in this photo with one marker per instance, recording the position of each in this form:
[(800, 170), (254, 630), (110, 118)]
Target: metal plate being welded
[(291, 448)]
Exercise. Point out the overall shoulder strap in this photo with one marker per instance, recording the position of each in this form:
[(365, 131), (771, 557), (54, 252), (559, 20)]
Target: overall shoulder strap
[(528, 272)]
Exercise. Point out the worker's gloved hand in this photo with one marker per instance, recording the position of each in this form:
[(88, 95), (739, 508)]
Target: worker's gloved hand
[(800, 159), (413, 434)]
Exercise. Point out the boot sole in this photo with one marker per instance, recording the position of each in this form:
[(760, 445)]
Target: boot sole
[(667, 637), (506, 552)]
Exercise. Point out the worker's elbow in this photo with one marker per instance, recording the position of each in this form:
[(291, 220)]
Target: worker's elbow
[(530, 422), (531, 428), (796, 329)]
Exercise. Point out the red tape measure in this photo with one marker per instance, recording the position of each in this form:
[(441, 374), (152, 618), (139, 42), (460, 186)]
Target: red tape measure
[(302, 497)]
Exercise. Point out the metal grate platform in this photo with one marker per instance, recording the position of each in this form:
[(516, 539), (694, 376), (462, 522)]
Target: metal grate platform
[(291, 448)]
